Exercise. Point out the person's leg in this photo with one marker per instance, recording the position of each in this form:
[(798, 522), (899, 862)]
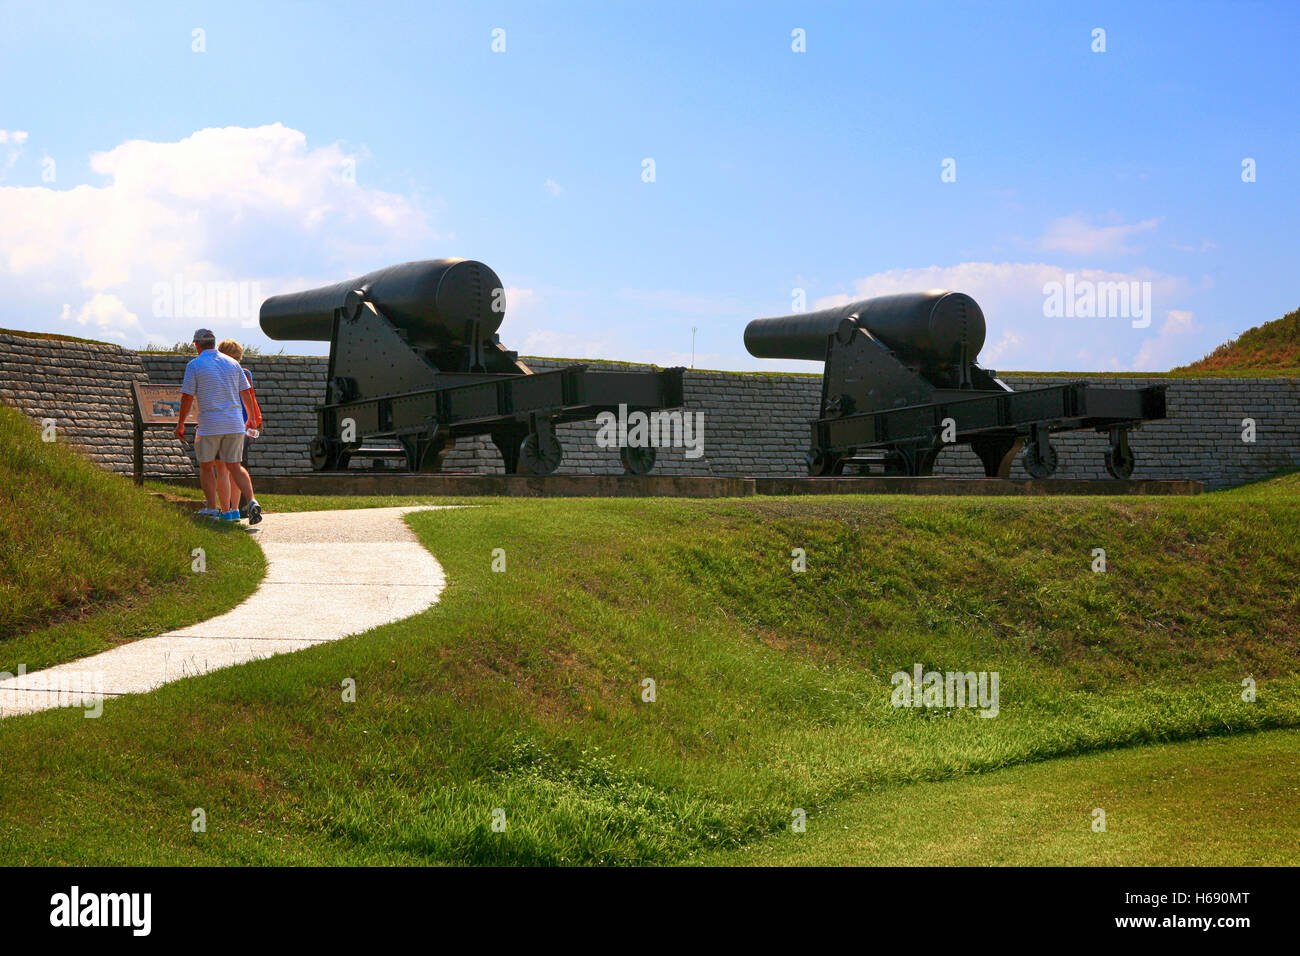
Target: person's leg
[(206, 449), (232, 450), (251, 509), (231, 492), (208, 479), (250, 495), (239, 478), (243, 502)]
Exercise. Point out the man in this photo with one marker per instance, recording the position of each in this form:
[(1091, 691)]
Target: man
[(216, 384), (228, 496)]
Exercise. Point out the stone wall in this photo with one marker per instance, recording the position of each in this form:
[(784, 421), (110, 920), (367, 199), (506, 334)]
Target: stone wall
[(755, 424), (85, 389)]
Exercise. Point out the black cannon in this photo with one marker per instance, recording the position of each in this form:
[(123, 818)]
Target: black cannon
[(901, 384), (416, 362)]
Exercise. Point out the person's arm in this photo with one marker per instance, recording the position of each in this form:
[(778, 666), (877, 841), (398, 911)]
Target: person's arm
[(186, 402), (187, 399), (250, 406), (255, 422)]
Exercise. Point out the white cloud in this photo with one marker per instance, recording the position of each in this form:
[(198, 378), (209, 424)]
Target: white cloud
[(253, 205), (1169, 346), (106, 315), (553, 187), (12, 141), (1077, 236), (1006, 343), (537, 323), (520, 302)]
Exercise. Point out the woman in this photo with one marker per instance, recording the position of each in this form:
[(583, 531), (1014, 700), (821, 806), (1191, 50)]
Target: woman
[(228, 492)]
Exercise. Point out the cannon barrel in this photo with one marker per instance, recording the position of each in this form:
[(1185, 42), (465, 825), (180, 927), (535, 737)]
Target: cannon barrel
[(926, 328), (437, 302)]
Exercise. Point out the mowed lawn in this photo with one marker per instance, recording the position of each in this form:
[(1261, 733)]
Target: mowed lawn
[(514, 722), (1218, 801)]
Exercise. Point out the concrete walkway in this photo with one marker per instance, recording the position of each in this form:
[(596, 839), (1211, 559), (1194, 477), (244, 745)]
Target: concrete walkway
[(329, 574)]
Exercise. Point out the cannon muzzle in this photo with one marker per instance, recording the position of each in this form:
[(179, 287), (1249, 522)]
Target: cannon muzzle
[(438, 303), (930, 329)]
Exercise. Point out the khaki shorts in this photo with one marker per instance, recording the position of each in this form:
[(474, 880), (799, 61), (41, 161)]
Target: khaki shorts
[(228, 448)]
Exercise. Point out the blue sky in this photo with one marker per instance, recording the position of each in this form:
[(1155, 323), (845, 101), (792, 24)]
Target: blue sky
[(307, 143)]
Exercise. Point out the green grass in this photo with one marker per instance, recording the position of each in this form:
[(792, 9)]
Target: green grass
[(1279, 485), (274, 503), (53, 337), (1274, 345), (1216, 802), (1272, 371), (88, 561), (522, 690)]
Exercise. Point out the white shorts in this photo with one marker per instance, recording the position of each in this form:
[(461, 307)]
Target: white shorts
[(229, 448)]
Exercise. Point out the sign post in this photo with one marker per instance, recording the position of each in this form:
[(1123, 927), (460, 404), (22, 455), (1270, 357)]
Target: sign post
[(154, 406)]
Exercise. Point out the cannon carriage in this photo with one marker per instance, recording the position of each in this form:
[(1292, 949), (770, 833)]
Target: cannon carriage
[(416, 363), (901, 384)]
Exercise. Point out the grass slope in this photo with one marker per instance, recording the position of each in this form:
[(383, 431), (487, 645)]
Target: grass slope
[(1215, 802), (88, 561), (1273, 346), (522, 691)]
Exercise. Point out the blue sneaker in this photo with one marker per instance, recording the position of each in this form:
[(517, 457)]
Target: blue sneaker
[(208, 513), (231, 515)]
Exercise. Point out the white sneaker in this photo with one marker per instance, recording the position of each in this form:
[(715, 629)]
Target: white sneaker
[(207, 513)]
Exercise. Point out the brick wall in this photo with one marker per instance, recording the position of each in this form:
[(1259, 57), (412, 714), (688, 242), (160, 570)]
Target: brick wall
[(757, 424), (754, 424), (85, 387)]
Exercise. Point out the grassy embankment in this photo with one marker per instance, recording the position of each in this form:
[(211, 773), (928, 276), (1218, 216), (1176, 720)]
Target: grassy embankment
[(1272, 348), (523, 692), (88, 561)]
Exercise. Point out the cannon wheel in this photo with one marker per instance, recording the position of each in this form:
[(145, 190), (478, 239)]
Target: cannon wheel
[(328, 454), (637, 461), (1040, 456), (540, 453), (1119, 457), (910, 461)]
